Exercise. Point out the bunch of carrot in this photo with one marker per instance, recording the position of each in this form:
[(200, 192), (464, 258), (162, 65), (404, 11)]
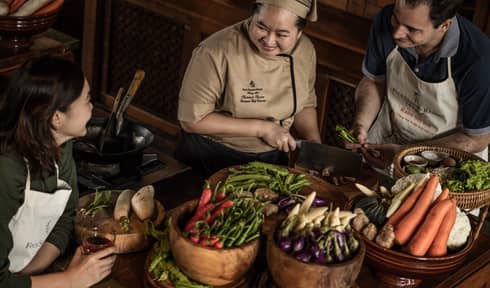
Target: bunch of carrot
[(32, 7), (422, 226)]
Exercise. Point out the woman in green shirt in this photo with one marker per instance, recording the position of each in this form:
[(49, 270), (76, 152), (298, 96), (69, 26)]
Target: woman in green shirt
[(44, 106)]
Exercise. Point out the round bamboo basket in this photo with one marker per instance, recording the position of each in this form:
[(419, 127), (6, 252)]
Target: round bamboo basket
[(466, 200)]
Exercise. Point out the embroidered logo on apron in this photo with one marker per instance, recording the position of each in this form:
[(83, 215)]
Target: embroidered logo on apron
[(252, 94)]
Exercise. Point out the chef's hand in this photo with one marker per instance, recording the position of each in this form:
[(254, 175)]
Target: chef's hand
[(277, 136), (87, 270), (379, 155)]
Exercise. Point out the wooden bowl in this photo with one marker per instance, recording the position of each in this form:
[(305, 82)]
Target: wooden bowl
[(399, 269), (16, 31), (289, 272), (211, 266), (132, 241)]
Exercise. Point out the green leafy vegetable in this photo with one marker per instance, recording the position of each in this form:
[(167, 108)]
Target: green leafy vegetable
[(345, 134), (102, 199), (470, 175)]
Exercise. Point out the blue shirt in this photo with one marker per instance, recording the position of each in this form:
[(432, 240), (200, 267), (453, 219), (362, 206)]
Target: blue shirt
[(469, 50)]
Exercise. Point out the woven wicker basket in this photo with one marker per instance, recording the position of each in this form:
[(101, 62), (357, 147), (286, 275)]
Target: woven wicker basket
[(466, 200)]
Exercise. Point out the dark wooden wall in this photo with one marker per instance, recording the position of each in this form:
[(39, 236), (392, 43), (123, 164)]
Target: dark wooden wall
[(158, 36)]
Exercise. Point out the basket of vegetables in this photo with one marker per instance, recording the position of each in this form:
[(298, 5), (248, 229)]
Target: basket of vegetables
[(318, 242), (466, 175), (215, 242), (416, 232)]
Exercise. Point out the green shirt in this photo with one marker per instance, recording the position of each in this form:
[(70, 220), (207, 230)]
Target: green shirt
[(13, 174)]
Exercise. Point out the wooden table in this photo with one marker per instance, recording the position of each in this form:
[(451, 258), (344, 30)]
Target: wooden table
[(129, 272)]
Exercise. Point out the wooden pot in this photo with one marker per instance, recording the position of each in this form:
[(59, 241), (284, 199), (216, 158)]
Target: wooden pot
[(207, 265), (125, 242), (289, 272)]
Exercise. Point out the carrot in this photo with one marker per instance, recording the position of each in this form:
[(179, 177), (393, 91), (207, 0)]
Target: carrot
[(443, 196), (15, 5), (50, 7), (426, 233), (405, 207), (439, 245), (405, 228)]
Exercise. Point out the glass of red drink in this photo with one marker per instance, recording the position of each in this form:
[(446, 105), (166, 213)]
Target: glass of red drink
[(94, 241)]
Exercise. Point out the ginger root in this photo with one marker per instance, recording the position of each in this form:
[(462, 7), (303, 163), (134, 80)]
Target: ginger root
[(386, 236)]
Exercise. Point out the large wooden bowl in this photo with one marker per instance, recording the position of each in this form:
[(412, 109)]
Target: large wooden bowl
[(289, 272), (125, 242), (16, 31), (399, 269), (211, 266)]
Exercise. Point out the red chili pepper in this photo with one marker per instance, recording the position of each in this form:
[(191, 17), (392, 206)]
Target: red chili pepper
[(218, 245), (203, 242), (194, 238), (205, 196), (219, 210), (200, 213), (220, 196)]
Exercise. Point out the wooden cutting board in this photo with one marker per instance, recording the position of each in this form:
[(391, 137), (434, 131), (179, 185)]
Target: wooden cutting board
[(132, 241)]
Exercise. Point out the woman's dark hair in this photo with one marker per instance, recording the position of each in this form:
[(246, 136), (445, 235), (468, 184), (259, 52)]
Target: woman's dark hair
[(440, 10), (33, 94), (300, 21)]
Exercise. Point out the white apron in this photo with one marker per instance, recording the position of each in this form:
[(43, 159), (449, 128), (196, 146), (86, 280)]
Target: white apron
[(34, 221), (415, 110)]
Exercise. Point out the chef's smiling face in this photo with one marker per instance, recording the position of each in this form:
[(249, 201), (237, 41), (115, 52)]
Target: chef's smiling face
[(273, 30)]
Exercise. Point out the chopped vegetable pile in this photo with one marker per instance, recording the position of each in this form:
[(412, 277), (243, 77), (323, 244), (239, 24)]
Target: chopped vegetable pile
[(162, 266), (470, 175)]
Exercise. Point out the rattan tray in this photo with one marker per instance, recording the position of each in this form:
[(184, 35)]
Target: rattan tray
[(466, 200)]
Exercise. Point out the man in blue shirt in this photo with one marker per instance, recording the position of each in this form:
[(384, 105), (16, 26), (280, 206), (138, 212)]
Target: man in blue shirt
[(426, 81)]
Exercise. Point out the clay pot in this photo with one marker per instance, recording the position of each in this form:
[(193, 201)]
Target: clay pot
[(290, 272), (207, 265), (399, 269), (16, 31)]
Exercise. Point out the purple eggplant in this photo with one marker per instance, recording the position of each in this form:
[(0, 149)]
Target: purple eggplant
[(315, 250), (320, 259), (317, 232), (319, 202), (304, 256), (337, 251), (340, 240), (285, 244), (286, 202), (299, 243)]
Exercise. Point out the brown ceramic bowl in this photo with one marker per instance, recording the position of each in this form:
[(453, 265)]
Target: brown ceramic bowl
[(211, 266), (16, 31), (289, 272), (397, 268)]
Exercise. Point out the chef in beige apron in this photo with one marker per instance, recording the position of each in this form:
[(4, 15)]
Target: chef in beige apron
[(33, 222), (232, 75), (415, 110)]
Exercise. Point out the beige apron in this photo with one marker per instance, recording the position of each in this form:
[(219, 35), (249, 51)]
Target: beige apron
[(34, 221), (415, 110)]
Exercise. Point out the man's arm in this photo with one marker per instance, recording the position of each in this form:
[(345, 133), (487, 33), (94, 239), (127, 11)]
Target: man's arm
[(369, 97), (462, 141)]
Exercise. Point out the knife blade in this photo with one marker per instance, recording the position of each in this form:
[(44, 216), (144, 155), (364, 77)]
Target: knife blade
[(340, 161)]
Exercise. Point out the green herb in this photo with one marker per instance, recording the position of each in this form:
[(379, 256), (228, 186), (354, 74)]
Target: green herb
[(102, 199), (470, 175), (345, 134)]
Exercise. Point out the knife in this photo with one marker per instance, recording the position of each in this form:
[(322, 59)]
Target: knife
[(133, 87), (341, 162)]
